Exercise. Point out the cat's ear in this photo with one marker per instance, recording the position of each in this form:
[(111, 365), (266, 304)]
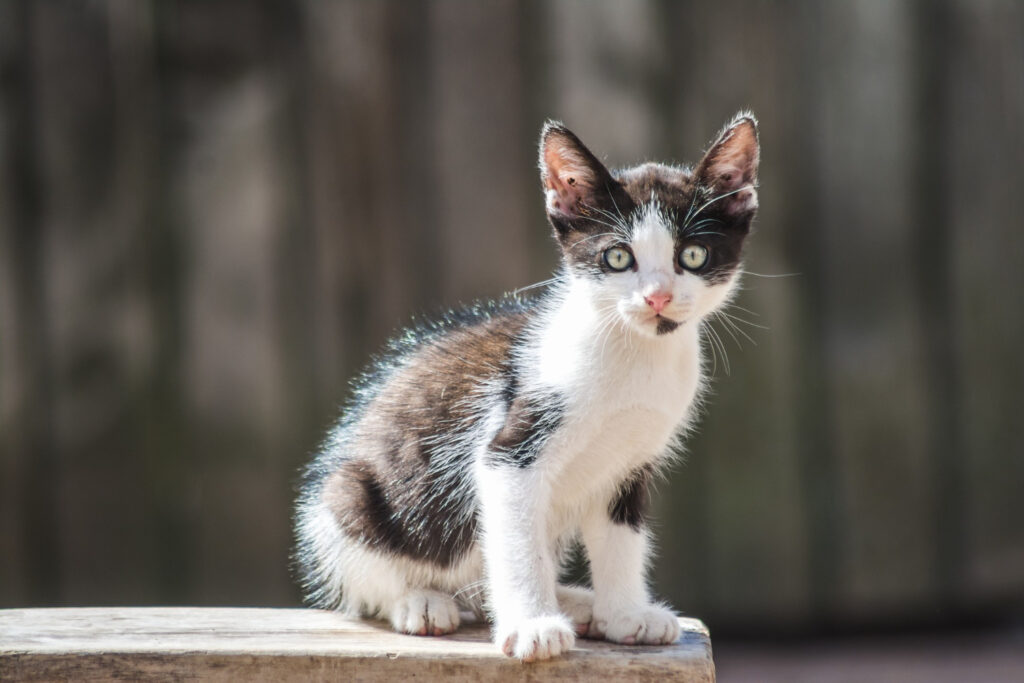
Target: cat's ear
[(575, 182), (729, 169)]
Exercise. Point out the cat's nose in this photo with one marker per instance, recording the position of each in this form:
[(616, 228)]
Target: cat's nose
[(658, 301)]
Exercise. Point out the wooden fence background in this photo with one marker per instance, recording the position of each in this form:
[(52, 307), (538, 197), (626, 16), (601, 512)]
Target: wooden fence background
[(212, 212)]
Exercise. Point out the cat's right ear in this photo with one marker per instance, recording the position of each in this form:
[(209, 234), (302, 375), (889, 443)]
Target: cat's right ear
[(576, 184), (729, 169)]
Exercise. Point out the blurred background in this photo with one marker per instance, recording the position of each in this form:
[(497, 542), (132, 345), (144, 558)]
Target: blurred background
[(211, 213)]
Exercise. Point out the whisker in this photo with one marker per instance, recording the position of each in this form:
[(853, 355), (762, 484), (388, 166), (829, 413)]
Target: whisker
[(693, 202), (721, 347), (714, 352), (740, 330), (614, 203), (747, 272), (745, 322), (614, 225), (727, 330), (745, 310), (542, 283), (717, 198), (700, 224), (617, 223), (606, 325), (725, 353), (477, 587), (618, 229), (731, 327), (594, 237)]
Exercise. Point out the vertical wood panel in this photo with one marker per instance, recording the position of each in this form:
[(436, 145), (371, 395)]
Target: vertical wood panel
[(932, 215), (600, 57), (481, 146), (870, 289), (29, 452), (89, 230), (986, 109), (820, 485)]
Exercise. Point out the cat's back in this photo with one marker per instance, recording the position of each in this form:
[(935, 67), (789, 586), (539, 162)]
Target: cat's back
[(427, 384), (434, 380)]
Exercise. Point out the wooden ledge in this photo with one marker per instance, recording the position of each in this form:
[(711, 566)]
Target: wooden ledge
[(232, 644)]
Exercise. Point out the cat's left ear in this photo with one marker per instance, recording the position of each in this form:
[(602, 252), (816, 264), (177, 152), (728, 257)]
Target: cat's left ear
[(576, 184), (729, 169)]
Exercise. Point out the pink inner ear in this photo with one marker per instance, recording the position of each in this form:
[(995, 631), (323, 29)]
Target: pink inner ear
[(729, 176), (726, 175), (734, 161), (731, 166), (566, 178)]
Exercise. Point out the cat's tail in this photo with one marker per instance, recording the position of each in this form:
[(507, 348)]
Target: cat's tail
[(319, 543)]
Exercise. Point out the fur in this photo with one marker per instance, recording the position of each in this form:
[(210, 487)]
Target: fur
[(479, 449)]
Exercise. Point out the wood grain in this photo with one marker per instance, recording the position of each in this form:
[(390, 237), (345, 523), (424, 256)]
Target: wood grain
[(228, 644)]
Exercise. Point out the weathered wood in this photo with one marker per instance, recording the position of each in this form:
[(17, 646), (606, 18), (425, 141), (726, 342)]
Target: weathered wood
[(228, 644)]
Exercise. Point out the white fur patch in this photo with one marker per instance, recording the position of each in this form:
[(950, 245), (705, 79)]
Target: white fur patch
[(364, 581)]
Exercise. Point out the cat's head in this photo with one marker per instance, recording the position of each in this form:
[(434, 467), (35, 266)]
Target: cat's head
[(658, 245)]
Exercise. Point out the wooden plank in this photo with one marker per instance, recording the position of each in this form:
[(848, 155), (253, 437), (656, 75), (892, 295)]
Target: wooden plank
[(986, 244), (875, 388), (227, 644)]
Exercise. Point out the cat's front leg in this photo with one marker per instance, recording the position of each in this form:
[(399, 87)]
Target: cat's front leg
[(520, 561), (617, 548)]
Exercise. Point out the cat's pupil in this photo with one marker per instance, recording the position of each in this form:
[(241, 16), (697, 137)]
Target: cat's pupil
[(693, 257), (618, 258)]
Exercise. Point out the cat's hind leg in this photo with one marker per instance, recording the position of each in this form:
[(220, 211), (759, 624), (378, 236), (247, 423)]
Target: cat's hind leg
[(343, 573), (424, 613), (391, 587), (577, 603)]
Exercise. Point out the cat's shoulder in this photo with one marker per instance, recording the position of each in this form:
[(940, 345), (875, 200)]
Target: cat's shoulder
[(463, 340), (503, 317)]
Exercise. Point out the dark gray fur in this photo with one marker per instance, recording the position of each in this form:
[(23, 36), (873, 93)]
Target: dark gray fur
[(630, 504)]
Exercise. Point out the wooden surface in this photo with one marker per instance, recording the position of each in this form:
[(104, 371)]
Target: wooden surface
[(229, 644)]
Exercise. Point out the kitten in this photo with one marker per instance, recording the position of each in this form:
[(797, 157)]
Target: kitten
[(481, 448)]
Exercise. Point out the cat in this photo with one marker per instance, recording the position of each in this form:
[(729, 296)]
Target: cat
[(479, 450)]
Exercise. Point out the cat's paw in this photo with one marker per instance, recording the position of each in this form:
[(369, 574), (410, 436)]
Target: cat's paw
[(577, 604), (536, 638), (650, 625), (425, 613)]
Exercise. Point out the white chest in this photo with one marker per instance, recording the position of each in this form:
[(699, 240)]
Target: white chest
[(624, 405)]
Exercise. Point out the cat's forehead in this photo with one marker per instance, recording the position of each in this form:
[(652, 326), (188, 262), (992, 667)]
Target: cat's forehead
[(670, 187)]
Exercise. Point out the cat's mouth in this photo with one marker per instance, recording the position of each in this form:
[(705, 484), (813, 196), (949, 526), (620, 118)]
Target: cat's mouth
[(666, 325), (657, 323)]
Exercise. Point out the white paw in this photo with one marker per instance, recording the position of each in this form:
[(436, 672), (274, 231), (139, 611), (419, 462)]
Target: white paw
[(425, 613), (536, 638), (577, 604), (650, 625)]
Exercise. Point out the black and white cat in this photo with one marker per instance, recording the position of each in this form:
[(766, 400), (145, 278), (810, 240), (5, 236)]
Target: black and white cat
[(480, 449)]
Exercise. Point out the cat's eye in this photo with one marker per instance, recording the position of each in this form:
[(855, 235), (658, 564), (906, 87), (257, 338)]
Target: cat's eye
[(618, 258), (693, 257)]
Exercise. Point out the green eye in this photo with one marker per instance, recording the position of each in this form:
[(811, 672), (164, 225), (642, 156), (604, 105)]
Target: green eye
[(693, 257), (618, 258)]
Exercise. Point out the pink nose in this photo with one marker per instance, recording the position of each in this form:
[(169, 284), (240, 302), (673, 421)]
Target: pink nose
[(658, 301)]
